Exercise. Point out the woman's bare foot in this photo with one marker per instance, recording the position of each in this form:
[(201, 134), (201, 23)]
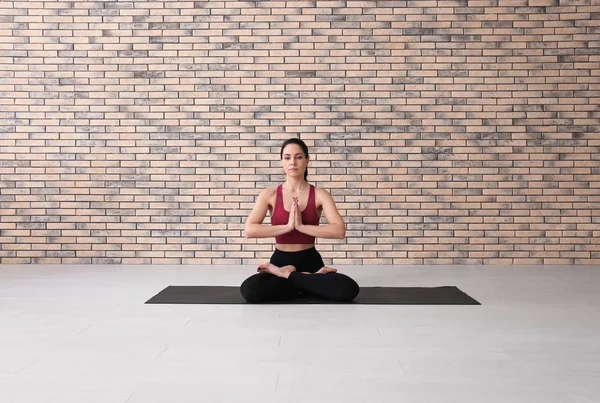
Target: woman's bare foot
[(325, 270), (283, 272)]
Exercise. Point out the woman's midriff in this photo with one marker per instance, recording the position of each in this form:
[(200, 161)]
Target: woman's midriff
[(293, 247)]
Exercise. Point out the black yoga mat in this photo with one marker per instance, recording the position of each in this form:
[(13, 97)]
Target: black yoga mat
[(446, 295)]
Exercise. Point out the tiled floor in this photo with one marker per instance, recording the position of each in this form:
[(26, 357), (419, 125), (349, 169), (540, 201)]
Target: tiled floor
[(83, 334)]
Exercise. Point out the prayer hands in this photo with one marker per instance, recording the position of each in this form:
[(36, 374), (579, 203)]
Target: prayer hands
[(292, 218), (295, 220), (297, 215)]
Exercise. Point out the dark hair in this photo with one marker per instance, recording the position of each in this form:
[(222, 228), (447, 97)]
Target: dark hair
[(294, 140)]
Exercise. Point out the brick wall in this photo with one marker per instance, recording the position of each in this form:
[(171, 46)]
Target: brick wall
[(448, 132)]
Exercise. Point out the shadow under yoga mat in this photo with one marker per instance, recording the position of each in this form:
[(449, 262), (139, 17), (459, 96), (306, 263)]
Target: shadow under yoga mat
[(446, 295)]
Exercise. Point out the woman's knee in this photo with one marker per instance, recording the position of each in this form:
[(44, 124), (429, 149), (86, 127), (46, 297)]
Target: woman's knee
[(251, 289), (348, 288), (266, 287)]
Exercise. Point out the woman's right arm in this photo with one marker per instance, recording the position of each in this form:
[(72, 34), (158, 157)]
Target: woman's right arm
[(254, 227)]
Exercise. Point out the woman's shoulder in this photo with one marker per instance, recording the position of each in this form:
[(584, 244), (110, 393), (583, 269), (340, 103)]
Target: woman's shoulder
[(270, 191), (269, 194), (322, 194), (320, 190), (267, 197)]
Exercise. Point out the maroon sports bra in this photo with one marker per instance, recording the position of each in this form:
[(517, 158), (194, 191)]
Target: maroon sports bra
[(280, 216)]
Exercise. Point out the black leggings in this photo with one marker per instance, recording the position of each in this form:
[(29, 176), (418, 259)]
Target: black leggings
[(266, 287)]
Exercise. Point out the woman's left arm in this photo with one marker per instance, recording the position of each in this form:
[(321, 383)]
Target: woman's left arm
[(335, 227)]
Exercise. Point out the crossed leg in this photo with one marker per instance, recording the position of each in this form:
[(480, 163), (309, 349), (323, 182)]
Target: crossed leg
[(267, 287), (274, 283)]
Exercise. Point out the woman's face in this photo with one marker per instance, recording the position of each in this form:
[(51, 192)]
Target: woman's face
[(294, 161)]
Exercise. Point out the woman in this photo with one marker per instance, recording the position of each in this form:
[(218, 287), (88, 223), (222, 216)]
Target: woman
[(295, 208)]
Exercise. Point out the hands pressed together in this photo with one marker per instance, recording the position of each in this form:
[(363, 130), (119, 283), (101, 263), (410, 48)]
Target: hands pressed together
[(295, 220)]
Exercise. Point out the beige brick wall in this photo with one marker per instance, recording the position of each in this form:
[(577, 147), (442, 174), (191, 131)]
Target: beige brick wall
[(448, 132)]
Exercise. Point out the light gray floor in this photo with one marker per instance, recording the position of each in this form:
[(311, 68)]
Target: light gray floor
[(84, 334)]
